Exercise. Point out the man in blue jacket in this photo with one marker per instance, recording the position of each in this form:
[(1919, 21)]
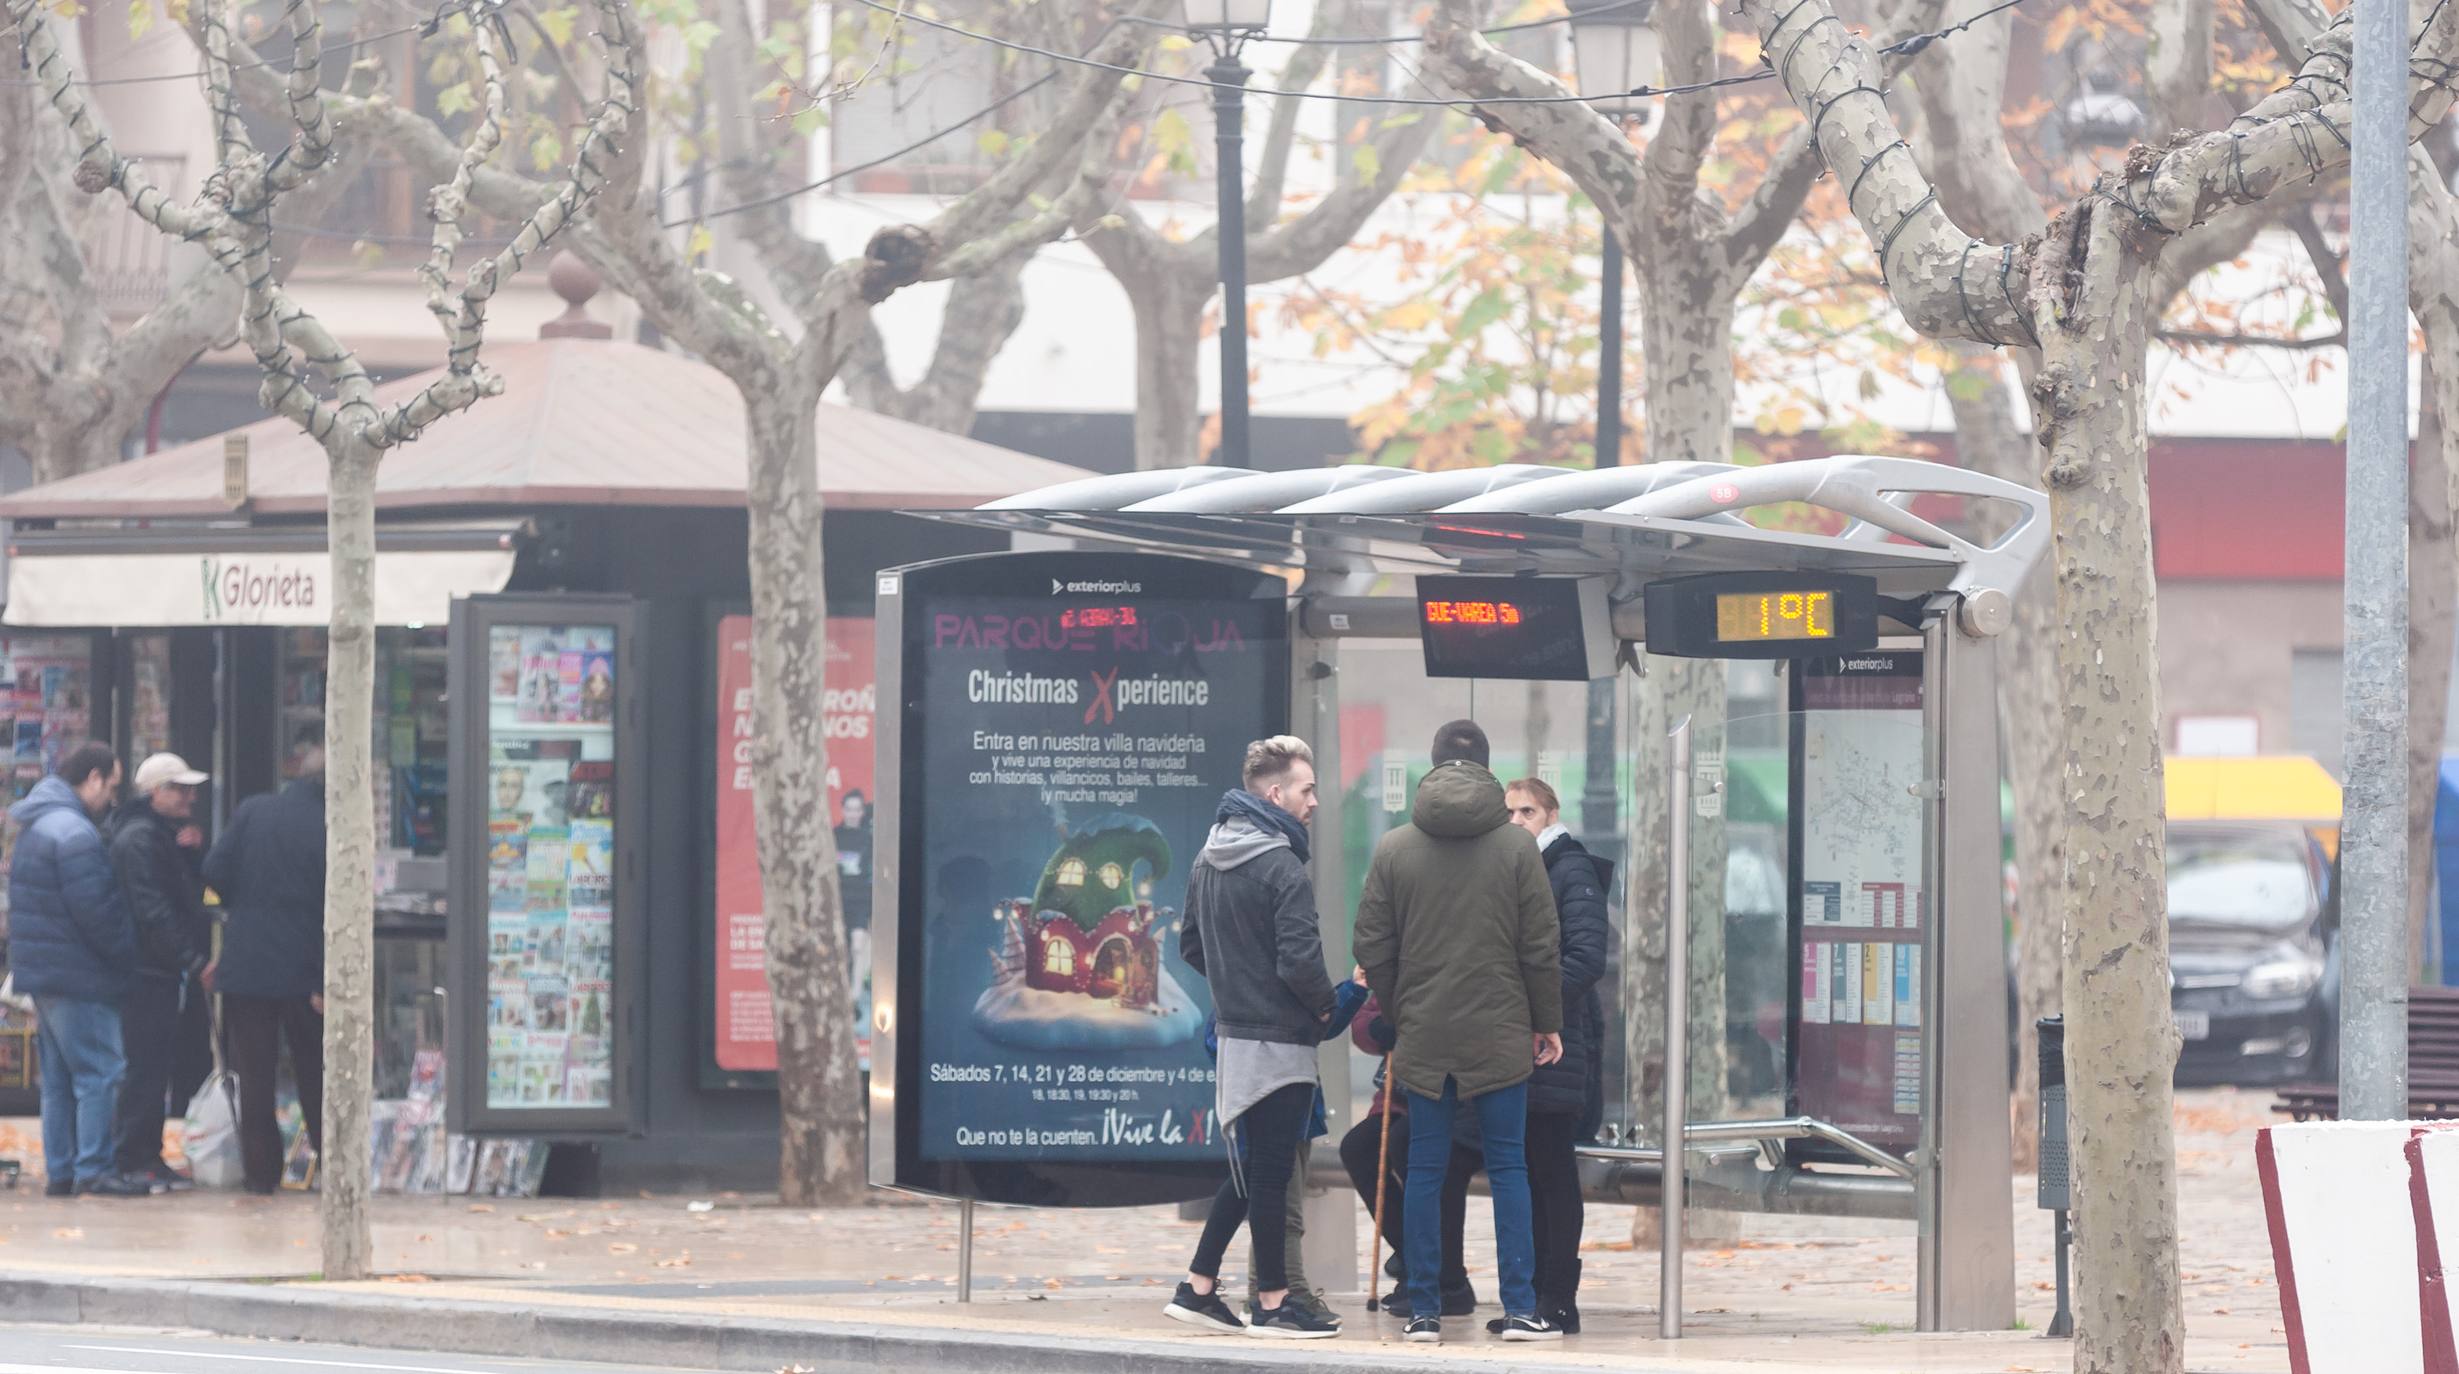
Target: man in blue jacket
[(71, 947)]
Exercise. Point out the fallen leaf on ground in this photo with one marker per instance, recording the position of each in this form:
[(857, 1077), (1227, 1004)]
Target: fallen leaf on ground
[(69, 1233), (622, 1247)]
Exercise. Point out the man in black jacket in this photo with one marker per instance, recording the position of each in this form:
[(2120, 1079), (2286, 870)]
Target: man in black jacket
[(1565, 1098), (154, 844), (1252, 931), (268, 868)]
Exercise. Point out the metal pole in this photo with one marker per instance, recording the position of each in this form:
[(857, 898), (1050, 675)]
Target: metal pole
[(2374, 829), (1229, 94), (1599, 800), (1677, 1028), (964, 1250)]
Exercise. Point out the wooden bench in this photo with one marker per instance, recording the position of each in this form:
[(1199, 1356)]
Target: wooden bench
[(2433, 1065)]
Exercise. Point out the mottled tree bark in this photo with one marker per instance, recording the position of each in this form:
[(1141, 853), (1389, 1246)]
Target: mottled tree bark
[(349, 858), (1989, 438), (820, 1158), (2433, 587), (2096, 321)]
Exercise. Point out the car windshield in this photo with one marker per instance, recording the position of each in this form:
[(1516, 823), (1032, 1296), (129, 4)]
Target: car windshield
[(2253, 880)]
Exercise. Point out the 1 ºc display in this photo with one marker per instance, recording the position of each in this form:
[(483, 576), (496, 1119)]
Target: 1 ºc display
[(1776, 615)]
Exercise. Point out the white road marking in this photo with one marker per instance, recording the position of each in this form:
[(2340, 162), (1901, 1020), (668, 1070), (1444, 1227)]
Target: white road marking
[(241, 1359)]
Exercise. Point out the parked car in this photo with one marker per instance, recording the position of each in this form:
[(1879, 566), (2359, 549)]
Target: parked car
[(2253, 966)]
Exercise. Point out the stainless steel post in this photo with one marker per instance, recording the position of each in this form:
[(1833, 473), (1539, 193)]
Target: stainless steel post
[(1677, 1025), (964, 1250), (2374, 867)]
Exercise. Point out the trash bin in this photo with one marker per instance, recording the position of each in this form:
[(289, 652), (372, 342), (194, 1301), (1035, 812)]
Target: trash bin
[(2057, 1181)]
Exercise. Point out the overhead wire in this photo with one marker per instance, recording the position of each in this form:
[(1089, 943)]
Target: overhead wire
[(1907, 46), (328, 50)]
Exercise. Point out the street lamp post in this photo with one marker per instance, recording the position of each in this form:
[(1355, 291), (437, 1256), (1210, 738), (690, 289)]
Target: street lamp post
[(1227, 25), (1614, 49)]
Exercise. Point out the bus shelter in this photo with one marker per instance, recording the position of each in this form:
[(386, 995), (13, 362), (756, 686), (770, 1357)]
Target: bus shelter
[(1788, 675)]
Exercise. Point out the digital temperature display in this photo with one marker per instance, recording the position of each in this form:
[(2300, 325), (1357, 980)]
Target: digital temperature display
[(1761, 614), (1548, 629), (1776, 615)]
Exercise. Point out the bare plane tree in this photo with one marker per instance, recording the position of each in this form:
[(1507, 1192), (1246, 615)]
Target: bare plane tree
[(314, 381)]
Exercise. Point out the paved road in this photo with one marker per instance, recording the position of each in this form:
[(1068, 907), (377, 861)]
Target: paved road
[(85, 1350)]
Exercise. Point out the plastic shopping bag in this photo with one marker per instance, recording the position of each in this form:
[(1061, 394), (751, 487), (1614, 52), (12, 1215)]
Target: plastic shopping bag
[(212, 1141)]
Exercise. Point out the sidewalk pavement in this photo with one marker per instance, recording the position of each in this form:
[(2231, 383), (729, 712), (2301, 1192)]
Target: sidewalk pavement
[(741, 1283)]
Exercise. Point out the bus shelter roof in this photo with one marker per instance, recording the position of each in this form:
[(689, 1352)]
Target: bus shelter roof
[(1650, 521)]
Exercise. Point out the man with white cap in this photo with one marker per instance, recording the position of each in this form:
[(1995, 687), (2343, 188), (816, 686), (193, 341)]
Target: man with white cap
[(155, 850)]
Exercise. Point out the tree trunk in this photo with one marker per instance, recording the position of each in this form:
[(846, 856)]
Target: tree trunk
[(1169, 323), (2091, 289), (1673, 689), (1686, 353), (1989, 439), (820, 1146), (2433, 585), (66, 445), (349, 862)]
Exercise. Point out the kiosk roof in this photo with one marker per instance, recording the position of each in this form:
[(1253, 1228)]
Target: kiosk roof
[(582, 422)]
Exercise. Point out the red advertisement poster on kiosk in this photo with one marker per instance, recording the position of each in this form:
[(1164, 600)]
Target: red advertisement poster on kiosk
[(746, 1039)]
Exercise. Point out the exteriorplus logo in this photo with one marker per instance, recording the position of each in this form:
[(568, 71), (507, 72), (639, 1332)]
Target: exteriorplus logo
[(242, 589)]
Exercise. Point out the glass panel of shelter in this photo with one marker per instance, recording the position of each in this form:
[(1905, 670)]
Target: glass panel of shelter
[(1805, 863)]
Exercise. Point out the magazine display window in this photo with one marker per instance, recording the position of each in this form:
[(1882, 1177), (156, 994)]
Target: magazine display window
[(544, 722)]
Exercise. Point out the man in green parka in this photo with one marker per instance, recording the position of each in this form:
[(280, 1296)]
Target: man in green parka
[(1459, 938)]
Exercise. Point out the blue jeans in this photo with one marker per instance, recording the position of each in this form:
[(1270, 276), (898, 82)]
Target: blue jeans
[(1503, 1117), (82, 1063)]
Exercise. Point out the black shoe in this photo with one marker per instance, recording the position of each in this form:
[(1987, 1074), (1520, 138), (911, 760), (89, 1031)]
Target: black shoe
[(60, 1187), (1290, 1321), (1564, 1315), (1530, 1329), (1423, 1331), (1457, 1302), (117, 1185), (169, 1179), (1203, 1311)]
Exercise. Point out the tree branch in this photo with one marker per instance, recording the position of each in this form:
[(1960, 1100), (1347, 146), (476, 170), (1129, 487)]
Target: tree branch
[(312, 145), (2178, 66), (1674, 156), (2329, 266), (465, 311)]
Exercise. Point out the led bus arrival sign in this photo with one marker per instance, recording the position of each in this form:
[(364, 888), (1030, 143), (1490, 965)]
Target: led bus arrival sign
[(1552, 629)]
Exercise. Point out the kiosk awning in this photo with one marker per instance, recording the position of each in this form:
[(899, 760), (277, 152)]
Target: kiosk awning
[(244, 576)]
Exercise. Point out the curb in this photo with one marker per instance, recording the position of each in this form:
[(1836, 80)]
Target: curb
[(766, 1345)]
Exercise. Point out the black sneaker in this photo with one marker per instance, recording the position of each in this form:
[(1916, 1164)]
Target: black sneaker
[(169, 1179), (117, 1185), (1530, 1329), (1423, 1330), (1290, 1321), (60, 1187), (1203, 1311), (1457, 1302), (1567, 1317)]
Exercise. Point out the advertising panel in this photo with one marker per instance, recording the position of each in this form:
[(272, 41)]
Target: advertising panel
[(1069, 724), (746, 1031), (1859, 907)]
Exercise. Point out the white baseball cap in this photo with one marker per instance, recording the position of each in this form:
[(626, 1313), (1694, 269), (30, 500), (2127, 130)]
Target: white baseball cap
[(162, 768)]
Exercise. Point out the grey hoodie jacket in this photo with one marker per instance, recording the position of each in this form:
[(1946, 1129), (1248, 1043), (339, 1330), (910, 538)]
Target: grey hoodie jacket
[(1252, 931)]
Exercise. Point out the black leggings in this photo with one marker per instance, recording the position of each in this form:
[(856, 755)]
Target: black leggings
[(1556, 1206), (1269, 1131), (1363, 1146)]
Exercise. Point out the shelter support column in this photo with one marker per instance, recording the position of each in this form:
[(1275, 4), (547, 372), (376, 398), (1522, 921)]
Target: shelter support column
[(1331, 1246), (1964, 1179)]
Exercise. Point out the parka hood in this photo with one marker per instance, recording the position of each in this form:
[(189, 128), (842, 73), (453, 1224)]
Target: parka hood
[(1459, 801)]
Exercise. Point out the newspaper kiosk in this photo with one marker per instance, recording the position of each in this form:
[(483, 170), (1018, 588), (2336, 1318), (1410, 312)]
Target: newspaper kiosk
[(1062, 722)]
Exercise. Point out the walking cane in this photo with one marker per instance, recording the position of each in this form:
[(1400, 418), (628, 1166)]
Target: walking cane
[(1383, 1177)]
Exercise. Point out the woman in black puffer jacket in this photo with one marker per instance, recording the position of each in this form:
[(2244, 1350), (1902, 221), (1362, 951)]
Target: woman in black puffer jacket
[(1565, 1098)]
